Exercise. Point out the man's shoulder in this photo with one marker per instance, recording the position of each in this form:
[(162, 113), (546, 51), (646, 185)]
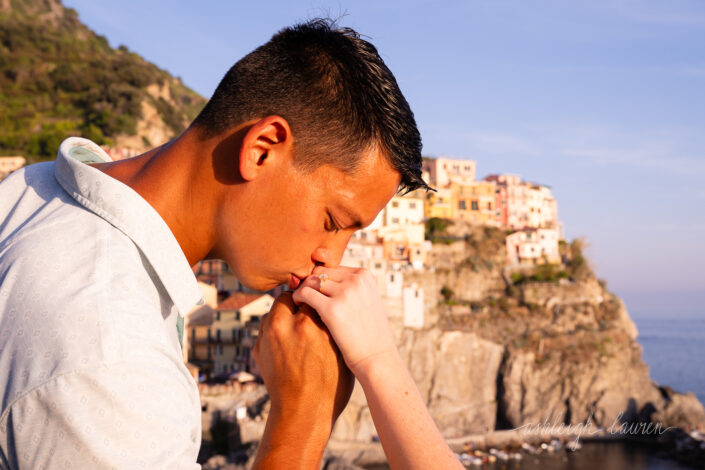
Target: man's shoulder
[(74, 290), (31, 200), (133, 413)]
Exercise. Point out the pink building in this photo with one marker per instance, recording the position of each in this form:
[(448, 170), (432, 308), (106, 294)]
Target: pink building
[(515, 196), (443, 171)]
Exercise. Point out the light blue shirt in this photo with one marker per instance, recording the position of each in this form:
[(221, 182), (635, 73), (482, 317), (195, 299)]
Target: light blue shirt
[(92, 287)]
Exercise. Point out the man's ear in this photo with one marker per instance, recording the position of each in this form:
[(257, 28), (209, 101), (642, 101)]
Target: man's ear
[(268, 142)]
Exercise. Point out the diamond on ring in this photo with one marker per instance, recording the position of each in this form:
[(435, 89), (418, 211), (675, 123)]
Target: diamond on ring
[(323, 278)]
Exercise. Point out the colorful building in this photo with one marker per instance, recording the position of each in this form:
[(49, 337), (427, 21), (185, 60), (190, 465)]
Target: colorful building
[(440, 204), (476, 202), (443, 171), (233, 331)]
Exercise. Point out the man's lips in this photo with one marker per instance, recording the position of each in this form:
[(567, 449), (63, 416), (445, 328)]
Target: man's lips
[(294, 281)]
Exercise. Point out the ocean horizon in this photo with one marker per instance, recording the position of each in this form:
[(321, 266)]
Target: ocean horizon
[(673, 349)]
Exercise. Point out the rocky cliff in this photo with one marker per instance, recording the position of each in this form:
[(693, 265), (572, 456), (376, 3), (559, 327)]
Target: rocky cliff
[(503, 349)]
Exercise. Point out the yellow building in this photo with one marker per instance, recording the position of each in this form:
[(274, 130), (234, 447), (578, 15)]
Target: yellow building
[(402, 229), (196, 348), (230, 332), (221, 336), (475, 202), (440, 204)]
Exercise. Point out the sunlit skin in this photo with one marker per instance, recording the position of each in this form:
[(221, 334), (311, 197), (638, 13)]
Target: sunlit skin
[(238, 197)]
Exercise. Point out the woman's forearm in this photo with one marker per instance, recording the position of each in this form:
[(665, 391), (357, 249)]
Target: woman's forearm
[(409, 436)]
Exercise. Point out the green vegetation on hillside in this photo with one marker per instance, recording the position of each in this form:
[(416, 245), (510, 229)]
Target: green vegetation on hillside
[(58, 78)]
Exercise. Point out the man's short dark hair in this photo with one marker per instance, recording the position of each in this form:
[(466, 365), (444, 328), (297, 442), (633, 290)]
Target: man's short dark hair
[(333, 88)]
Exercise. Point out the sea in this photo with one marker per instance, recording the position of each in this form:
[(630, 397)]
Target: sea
[(674, 349)]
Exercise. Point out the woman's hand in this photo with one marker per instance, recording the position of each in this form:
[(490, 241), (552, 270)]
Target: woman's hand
[(349, 303), (308, 382)]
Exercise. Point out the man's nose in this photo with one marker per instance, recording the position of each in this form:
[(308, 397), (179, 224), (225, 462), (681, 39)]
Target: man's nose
[(329, 255)]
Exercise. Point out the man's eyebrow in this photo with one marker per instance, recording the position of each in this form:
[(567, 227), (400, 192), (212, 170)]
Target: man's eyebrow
[(357, 220)]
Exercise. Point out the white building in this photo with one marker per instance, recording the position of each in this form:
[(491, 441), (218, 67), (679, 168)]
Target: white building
[(533, 246), (413, 306)]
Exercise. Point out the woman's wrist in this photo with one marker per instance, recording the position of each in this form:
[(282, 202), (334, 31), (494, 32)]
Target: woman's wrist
[(379, 366)]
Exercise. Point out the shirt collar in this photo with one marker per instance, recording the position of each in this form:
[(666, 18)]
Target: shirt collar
[(127, 211)]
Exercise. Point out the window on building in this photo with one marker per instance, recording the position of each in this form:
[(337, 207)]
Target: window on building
[(217, 315), (395, 203), (219, 349), (391, 278), (489, 206), (217, 335), (416, 294), (412, 205), (237, 315), (474, 205), (461, 205), (395, 220), (378, 265)]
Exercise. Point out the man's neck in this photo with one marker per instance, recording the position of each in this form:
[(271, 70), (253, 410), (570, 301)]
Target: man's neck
[(174, 179)]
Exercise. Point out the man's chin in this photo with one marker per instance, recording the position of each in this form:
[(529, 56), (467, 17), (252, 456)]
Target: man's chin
[(262, 285)]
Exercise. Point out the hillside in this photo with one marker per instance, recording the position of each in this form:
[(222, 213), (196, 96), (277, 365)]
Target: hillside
[(58, 78)]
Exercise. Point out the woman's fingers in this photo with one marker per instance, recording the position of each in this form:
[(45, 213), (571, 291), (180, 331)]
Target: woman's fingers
[(322, 283), (339, 273), (314, 299)]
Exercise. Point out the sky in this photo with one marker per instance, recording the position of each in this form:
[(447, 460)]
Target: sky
[(603, 101)]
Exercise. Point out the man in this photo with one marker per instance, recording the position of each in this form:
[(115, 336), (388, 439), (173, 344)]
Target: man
[(304, 141)]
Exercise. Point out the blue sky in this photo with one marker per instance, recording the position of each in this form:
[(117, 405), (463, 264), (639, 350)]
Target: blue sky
[(604, 101)]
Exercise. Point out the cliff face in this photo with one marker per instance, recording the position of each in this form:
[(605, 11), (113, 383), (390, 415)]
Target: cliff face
[(509, 350)]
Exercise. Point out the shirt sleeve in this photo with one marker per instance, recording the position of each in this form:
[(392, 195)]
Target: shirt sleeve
[(125, 415)]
